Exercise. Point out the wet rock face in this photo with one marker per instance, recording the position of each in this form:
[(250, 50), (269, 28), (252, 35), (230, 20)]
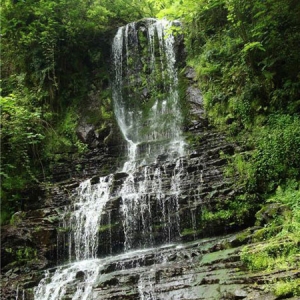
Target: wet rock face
[(86, 132), (38, 240), (98, 161), (174, 217), (31, 231), (28, 246), (201, 185), (206, 269)]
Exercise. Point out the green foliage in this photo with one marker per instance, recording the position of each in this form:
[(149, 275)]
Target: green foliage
[(290, 197), (230, 213), (23, 254), (63, 140), (26, 254), (54, 43), (52, 54), (17, 218), (273, 156), (280, 236), (241, 166), (23, 129), (277, 254), (287, 288), (245, 54), (188, 231), (125, 11), (107, 227), (278, 151), (209, 216)]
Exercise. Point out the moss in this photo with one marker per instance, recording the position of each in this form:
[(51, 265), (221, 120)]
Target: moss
[(243, 236), (62, 141), (193, 140), (266, 233), (22, 255), (37, 229), (8, 250), (107, 227), (26, 253), (216, 256), (63, 229), (52, 218), (100, 111), (188, 231), (273, 254), (17, 218), (287, 288)]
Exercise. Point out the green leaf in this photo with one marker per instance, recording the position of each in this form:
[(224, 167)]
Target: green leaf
[(253, 46)]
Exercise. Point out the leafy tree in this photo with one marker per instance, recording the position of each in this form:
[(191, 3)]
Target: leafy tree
[(22, 132)]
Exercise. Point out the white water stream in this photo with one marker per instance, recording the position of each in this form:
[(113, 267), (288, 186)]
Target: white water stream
[(152, 128), (156, 123)]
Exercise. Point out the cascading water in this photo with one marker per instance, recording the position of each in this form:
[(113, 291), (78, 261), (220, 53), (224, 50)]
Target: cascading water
[(147, 109), (85, 219), (145, 92)]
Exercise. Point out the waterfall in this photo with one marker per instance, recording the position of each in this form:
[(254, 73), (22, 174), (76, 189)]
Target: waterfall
[(145, 92), (147, 110)]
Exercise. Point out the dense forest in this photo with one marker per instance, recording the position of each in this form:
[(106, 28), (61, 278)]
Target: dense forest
[(247, 60)]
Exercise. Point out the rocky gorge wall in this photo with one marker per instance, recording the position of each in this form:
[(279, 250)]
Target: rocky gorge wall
[(197, 263), (209, 268), (34, 242)]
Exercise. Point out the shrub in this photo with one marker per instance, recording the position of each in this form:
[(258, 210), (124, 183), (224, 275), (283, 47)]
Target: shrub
[(277, 156)]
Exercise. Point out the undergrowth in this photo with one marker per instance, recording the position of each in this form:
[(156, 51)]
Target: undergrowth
[(277, 244)]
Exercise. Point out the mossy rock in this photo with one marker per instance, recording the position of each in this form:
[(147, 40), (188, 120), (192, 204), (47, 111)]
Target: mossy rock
[(270, 212)]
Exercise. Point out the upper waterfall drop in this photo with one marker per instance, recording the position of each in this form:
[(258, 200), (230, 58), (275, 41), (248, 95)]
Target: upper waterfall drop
[(145, 91)]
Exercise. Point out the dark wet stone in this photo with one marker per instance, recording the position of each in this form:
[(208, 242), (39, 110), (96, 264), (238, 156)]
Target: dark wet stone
[(109, 282), (86, 132), (108, 269), (95, 180), (172, 257), (13, 275), (80, 275), (121, 175), (133, 279), (190, 73), (30, 284)]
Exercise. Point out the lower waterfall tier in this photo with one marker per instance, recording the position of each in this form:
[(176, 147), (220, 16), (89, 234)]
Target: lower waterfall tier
[(206, 269)]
